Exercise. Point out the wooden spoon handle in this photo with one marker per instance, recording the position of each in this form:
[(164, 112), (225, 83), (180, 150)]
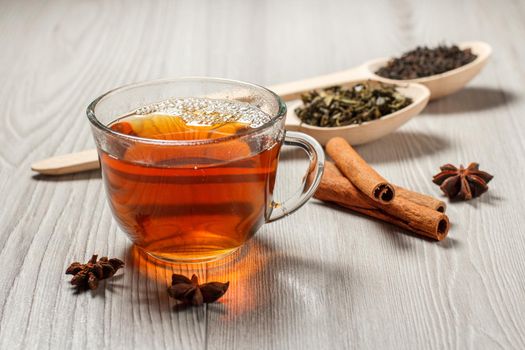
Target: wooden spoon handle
[(68, 163), (88, 160)]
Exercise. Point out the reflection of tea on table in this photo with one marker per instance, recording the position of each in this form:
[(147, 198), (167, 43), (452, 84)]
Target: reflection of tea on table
[(191, 201)]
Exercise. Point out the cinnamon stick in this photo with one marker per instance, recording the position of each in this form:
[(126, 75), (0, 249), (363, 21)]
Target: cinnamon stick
[(380, 215), (404, 213), (359, 172), (421, 199), (416, 197)]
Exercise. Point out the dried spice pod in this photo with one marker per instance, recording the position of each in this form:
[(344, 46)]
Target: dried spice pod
[(88, 275), (463, 183), (212, 291), (189, 291)]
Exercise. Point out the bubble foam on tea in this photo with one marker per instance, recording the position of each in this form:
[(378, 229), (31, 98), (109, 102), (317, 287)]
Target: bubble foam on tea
[(200, 111)]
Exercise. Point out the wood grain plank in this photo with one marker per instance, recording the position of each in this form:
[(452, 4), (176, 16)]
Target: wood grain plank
[(321, 278)]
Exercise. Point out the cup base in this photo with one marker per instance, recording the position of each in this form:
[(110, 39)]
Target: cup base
[(181, 259)]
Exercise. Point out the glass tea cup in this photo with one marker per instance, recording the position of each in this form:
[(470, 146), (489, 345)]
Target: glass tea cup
[(195, 194)]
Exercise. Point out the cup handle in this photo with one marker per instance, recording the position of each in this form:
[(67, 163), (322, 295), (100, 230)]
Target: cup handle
[(315, 171)]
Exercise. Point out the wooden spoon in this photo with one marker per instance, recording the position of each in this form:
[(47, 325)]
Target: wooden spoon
[(437, 86), (368, 131), (354, 134), (440, 85)]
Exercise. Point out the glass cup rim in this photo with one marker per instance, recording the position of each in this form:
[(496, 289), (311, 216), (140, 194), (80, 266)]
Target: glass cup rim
[(90, 111)]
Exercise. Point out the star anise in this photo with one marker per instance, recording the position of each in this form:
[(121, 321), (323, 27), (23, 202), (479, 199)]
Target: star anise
[(462, 183), (86, 276), (189, 291)]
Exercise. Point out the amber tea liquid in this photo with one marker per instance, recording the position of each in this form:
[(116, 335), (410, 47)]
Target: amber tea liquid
[(191, 202)]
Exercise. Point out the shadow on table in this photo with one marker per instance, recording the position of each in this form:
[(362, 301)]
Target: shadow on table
[(85, 175), (402, 145), (489, 198), (394, 233), (269, 287), (263, 280), (397, 146), (269, 284), (471, 99)]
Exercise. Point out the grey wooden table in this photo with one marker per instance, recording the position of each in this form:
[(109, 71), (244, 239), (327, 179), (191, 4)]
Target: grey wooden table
[(321, 278)]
